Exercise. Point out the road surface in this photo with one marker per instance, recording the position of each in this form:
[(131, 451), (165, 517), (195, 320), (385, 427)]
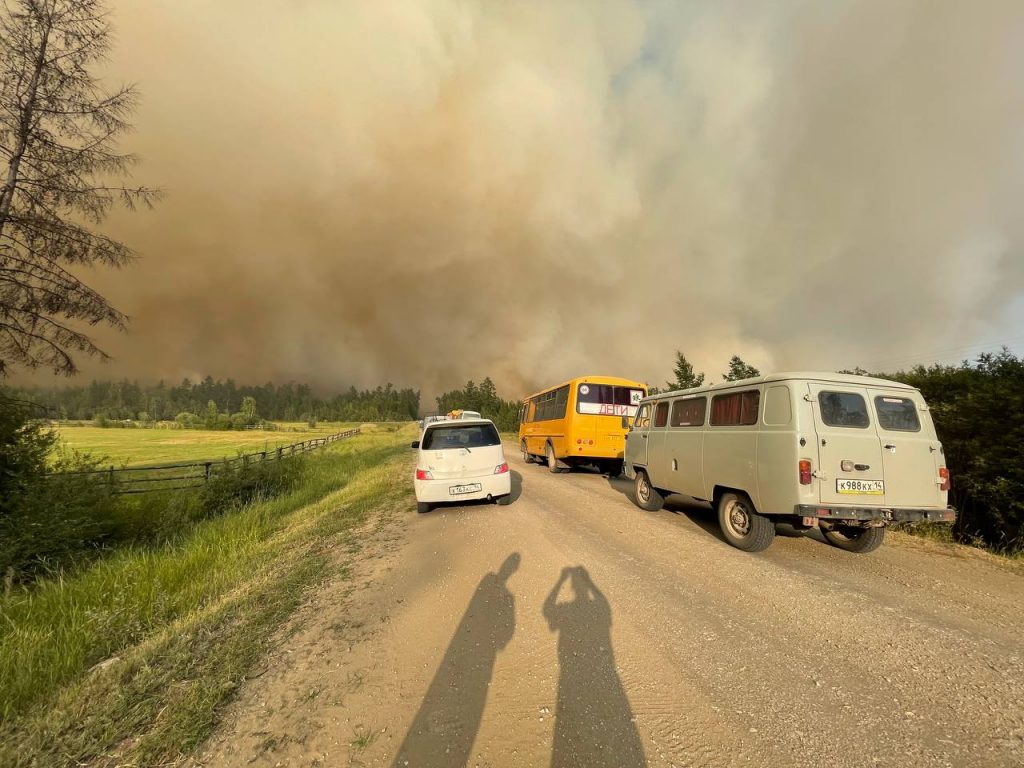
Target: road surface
[(570, 628)]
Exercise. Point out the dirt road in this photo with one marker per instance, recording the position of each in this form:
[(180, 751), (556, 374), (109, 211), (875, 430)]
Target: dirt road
[(573, 629)]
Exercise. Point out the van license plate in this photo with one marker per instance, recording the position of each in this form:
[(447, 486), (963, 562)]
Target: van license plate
[(455, 490), (871, 487)]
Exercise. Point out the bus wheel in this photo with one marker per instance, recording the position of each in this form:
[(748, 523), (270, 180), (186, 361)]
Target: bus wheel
[(613, 468), (741, 525), (527, 456), (645, 494), (854, 539), (552, 461)]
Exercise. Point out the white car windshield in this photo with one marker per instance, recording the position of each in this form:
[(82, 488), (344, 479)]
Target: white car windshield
[(460, 436)]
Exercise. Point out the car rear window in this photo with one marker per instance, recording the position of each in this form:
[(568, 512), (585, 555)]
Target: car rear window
[(843, 409), (897, 414), (460, 436)]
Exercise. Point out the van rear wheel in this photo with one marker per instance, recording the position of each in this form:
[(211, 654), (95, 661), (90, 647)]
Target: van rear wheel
[(854, 539), (646, 495), (741, 525)]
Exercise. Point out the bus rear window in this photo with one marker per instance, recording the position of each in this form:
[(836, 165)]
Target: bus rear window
[(460, 436), (607, 400), (897, 414)]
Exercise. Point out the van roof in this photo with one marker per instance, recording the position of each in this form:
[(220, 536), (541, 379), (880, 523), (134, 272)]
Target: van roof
[(833, 378)]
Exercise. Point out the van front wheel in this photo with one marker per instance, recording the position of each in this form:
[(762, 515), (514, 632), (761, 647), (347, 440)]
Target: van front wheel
[(645, 494), (741, 525), (854, 539)]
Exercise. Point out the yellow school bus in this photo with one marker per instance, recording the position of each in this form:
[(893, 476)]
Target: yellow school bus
[(579, 422)]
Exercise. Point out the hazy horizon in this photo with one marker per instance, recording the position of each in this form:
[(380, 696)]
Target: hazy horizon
[(425, 192)]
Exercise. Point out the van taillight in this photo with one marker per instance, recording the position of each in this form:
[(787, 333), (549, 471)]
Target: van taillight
[(423, 474), (943, 479), (805, 471), (501, 469)]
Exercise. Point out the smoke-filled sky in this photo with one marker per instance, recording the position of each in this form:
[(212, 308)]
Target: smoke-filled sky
[(427, 191)]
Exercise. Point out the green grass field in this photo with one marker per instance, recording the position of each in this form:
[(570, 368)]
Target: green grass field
[(153, 446), (183, 621)]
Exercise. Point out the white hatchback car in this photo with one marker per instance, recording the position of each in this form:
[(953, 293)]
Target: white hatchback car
[(458, 461)]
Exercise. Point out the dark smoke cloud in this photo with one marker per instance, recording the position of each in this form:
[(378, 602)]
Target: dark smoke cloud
[(425, 191)]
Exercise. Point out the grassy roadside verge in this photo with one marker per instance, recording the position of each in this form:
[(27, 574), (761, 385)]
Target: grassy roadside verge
[(185, 621)]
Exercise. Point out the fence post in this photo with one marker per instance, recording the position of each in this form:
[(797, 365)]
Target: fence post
[(206, 475), (280, 451), (110, 478)]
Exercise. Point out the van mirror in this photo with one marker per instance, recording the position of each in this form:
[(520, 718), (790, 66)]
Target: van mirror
[(414, 444), (625, 421)]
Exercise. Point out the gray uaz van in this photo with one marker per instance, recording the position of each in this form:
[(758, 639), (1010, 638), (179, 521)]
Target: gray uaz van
[(845, 454)]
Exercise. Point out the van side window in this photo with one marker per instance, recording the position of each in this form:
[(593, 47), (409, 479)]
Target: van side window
[(777, 408), (843, 409), (661, 414), (897, 414), (643, 417), (689, 413), (736, 409)]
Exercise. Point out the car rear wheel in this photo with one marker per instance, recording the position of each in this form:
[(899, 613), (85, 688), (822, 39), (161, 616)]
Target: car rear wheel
[(854, 539), (503, 501), (422, 507), (741, 525), (527, 456), (646, 495)]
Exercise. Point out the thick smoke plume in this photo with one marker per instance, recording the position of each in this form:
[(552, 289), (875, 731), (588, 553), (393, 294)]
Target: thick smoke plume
[(426, 191)]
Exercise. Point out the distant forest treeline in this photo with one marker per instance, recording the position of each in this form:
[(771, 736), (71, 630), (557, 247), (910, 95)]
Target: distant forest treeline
[(116, 400), (484, 399)]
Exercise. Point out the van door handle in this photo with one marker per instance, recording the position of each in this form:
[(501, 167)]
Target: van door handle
[(889, 447), (644, 437), (862, 467)]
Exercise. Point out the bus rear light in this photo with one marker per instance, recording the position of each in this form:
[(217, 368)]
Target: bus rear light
[(805, 472), (424, 474), (943, 479), (578, 441), (590, 442), (501, 468)]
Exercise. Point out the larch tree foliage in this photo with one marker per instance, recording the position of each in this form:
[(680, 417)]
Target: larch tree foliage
[(684, 373), (739, 370), (59, 170)]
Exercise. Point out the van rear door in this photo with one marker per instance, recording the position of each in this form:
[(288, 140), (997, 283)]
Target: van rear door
[(911, 453), (850, 467)]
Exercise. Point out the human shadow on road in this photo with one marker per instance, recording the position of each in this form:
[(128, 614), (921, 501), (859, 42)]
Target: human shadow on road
[(445, 727), (594, 724)]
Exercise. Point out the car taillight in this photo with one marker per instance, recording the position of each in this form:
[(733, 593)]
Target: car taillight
[(423, 474), (943, 479), (805, 471), (501, 469)]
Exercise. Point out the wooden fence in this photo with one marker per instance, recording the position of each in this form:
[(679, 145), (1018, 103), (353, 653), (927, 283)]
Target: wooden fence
[(179, 476)]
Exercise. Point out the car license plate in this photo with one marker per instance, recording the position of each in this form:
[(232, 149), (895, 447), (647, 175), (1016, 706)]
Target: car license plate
[(455, 490), (870, 487)]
